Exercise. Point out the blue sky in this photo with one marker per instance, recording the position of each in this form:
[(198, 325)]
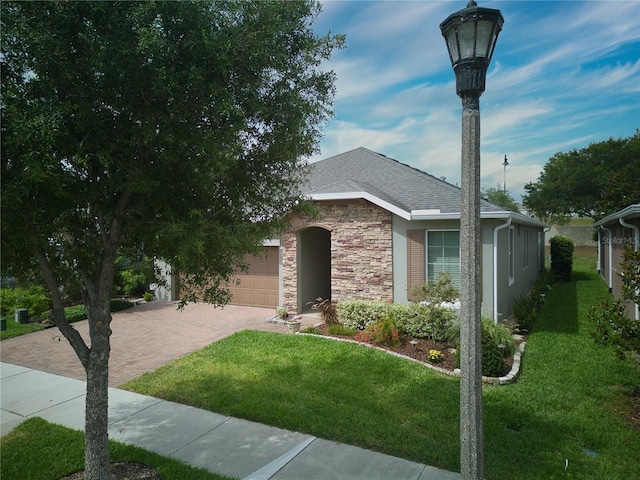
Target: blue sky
[(564, 74)]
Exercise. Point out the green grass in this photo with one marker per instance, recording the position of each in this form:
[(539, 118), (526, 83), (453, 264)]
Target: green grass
[(333, 390), (15, 329), (37, 450), (572, 395)]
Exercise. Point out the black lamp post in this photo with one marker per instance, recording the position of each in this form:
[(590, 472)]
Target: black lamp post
[(471, 36)]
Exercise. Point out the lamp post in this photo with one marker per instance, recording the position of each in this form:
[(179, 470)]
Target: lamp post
[(471, 35), (505, 164)]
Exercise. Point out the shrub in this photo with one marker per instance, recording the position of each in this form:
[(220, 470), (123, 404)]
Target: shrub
[(33, 298), (382, 332), (327, 309), (492, 359), (527, 307), (311, 330), (492, 355), (615, 328), (500, 335), (75, 313), (424, 321), (561, 257), (337, 329), (630, 273), (118, 304), (133, 275), (430, 318), (359, 314)]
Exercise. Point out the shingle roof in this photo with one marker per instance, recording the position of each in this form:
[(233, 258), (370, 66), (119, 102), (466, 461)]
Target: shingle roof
[(400, 185)]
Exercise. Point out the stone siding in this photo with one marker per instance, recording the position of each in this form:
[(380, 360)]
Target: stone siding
[(361, 252)]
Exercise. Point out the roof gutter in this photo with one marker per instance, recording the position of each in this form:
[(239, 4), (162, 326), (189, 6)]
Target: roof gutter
[(495, 267)]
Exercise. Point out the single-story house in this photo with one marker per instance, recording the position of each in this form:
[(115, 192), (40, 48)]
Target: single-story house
[(384, 227), (615, 232)]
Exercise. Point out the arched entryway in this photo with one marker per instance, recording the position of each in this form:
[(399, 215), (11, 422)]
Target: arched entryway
[(314, 266)]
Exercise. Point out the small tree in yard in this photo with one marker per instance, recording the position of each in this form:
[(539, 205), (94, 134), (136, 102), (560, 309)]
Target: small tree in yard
[(429, 298), (175, 129)]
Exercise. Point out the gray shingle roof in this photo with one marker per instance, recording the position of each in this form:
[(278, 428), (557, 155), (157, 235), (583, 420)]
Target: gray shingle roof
[(398, 184)]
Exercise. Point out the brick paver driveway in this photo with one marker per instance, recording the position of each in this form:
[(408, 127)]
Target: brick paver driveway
[(144, 337)]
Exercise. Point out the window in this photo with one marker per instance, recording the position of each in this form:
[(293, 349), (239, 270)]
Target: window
[(443, 255)]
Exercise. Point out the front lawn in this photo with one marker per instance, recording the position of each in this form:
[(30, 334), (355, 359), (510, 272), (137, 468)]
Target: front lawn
[(566, 417)]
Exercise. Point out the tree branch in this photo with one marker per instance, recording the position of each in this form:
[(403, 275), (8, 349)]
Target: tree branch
[(59, 318)]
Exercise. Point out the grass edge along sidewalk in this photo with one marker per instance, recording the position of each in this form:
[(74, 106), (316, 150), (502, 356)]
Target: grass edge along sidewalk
[(38, 450)]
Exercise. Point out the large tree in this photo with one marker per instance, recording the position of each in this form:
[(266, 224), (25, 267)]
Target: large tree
[(501, 197), (180, 129), (593, 181)]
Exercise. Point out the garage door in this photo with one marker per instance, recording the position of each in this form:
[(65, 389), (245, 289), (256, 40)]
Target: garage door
[(258, 287)]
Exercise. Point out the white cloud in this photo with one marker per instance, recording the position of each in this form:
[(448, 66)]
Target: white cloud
[(564, 74)]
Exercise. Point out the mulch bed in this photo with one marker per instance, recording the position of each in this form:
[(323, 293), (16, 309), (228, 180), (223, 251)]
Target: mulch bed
[(123, 471), (418, 349)]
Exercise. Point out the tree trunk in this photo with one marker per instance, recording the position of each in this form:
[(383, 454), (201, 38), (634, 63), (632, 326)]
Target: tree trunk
[(97, 402)]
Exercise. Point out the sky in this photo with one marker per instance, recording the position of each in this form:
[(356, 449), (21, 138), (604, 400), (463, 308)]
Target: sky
[(564, 74)]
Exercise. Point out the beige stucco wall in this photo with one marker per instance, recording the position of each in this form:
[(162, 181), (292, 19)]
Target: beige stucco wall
[(361, 252)]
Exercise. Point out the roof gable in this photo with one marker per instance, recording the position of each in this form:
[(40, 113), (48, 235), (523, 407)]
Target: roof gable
[(404, 188)]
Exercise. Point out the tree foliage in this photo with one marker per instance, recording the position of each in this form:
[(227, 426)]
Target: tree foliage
[(500, 197), (594, 181), (176, 129)]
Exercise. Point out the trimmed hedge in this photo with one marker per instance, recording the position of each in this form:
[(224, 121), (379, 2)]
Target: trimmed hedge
[(76, 313), (416, 320), (359, 314), (561, 257)]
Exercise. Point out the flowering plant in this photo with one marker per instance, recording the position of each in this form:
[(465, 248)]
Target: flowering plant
[(435, 356)]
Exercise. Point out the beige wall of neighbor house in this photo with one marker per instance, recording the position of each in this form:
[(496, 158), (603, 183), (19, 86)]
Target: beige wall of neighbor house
[(613, 239), (361, 253)]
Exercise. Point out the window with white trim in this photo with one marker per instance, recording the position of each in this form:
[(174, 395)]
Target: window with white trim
[(443, 255)]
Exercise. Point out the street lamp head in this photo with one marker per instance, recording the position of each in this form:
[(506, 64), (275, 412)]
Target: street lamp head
[(471, 35), (506, 162)]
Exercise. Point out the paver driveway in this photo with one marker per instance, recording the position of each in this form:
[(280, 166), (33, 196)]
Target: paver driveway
[(144, 337)]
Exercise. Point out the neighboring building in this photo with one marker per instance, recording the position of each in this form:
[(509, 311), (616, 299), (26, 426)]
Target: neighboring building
[(384, 227), (615, 232)]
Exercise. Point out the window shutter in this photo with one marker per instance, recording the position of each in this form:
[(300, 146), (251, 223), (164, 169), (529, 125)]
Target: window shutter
[(415, 260)]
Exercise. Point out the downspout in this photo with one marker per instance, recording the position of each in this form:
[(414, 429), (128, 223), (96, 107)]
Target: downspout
[(495, 267), (610, 259), (544, 247), (636, 239)]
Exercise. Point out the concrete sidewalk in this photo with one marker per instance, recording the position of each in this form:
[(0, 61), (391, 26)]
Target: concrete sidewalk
[(230, 446)]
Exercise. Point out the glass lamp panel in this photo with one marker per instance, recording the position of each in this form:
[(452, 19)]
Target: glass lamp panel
[(466, 37), (484, 39), (452, 44)]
